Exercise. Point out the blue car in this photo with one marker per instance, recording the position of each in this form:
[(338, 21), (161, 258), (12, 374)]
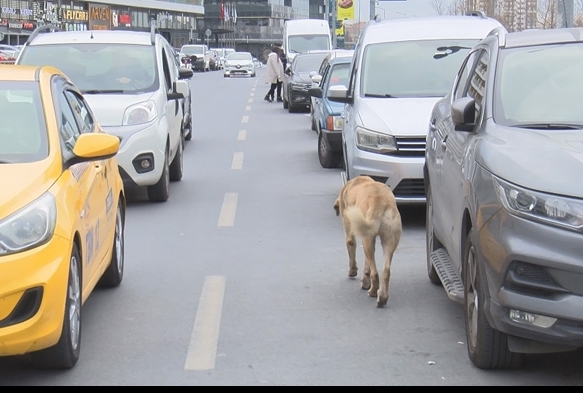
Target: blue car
[(326, 115)]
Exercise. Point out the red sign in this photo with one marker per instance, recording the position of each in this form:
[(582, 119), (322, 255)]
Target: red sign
[(124, 18)]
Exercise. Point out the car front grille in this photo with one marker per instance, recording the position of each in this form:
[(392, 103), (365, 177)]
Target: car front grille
[(410, 188), (410, 147)]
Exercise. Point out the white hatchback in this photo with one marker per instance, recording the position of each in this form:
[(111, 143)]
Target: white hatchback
[(239, 63), (135, 86)]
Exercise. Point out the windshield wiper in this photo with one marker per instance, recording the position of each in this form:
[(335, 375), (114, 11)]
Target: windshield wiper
[(551, 126), (101, 91), (379, 95)]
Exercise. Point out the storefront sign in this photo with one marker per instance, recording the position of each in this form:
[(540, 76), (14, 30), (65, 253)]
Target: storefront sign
[(99, 17)]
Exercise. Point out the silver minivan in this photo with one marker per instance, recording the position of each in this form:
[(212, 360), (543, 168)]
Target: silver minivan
[(400, 68)]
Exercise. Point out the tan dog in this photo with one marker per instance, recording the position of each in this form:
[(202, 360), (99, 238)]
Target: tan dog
[(368, 210)]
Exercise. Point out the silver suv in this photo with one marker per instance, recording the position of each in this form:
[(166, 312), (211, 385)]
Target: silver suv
[(504, 197), (136, 88), (400, 68)]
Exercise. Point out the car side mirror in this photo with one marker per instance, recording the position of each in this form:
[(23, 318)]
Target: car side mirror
[(463, 114), (185, 73), (180, 89), (315, 92), (338, 93)]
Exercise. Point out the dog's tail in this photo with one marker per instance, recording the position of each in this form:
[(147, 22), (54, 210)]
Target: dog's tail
[(360, 225)]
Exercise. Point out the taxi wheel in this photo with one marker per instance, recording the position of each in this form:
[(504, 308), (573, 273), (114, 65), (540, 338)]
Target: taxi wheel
[(65, 353), (160, 191), (114, 274)]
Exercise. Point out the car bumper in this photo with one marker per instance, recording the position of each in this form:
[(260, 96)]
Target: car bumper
[(404, 175), (299, 98), (333, 138), (40, 274), (138, 145), (545, 256), (238, 71)]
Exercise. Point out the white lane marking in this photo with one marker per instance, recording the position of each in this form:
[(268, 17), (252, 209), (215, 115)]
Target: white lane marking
[(202, 350), (237, 160), (242, 135), (248, 108), (245, 119), (227, 215)]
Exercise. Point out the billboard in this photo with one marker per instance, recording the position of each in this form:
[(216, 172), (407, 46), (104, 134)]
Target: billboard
[(344, 11)]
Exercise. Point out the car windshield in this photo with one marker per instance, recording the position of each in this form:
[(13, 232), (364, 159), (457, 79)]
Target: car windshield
[(304, 43), (192, 50), (412, 68), (240, 56), (540, 86), (23, 135), (308, 63), (100, 68)]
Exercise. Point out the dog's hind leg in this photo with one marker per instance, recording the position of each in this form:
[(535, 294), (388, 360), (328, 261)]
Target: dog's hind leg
[(351, 247), (370, 276), (389, 243)]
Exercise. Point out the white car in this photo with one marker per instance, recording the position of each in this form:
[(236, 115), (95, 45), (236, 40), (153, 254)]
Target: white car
[(138, 92), (239, 63)]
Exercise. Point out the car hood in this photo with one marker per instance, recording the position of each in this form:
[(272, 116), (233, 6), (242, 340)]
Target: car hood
[(543, 160), (333, 108), (27, 182), (110, 108), (302, 77), (396, 116)]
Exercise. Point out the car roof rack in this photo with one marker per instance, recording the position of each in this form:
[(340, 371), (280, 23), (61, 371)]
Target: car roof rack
[(153, 30), (499, 32)]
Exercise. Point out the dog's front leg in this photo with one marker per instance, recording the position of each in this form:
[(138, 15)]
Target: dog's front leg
[(370, 276)]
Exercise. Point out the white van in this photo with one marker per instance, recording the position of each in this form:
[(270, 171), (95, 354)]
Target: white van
[(302, 35), (400, 68)]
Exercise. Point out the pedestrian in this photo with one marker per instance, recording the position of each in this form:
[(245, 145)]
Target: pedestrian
[(274, 73), (283, 59)]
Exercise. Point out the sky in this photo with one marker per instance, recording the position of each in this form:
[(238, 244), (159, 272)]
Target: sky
[(397, 9)]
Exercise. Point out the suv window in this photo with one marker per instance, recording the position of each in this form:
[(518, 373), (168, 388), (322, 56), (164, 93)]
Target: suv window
[(125, 68)]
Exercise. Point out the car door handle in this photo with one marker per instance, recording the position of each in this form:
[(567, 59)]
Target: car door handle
[(432, 126)]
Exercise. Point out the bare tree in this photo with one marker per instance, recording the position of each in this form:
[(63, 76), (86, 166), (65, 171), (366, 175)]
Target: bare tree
[(547, 14), (439, 7)]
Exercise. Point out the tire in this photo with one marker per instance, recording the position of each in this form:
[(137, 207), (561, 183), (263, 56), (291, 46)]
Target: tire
[(65, 354), (253, 75), (431, 243), (285, 102), (487, 347), (188, 135), (313, 120), (177, 165), (113, 276), (345, 163), (327, 157), (160, 191)]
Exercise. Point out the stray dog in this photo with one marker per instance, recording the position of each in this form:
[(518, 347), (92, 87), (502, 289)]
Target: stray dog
[(368, 209)]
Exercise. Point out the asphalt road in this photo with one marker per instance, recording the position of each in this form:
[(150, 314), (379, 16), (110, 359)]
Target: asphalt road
[(240, 278)]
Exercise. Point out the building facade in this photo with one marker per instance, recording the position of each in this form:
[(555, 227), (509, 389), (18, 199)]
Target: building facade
[(176, 19)]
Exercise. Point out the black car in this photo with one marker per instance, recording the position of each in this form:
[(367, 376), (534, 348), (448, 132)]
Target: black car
[(297, 80)]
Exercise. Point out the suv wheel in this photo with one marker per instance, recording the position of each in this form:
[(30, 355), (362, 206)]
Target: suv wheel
[(487, 347), (327, 157)]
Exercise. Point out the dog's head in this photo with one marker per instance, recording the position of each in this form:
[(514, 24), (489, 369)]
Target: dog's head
[(337, 206)]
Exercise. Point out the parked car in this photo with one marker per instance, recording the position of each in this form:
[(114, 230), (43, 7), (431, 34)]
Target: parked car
[(199, 55), (62, 214), (297, 79), (326, 115), (401, 68), (216, 61), (239, 63), (504, 200), (132, 81), (9, 52)]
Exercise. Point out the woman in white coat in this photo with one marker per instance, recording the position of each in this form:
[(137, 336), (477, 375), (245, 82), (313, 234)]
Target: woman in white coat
[(273, 73)]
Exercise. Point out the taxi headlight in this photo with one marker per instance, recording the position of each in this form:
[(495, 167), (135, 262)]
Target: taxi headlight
[(29, 227)]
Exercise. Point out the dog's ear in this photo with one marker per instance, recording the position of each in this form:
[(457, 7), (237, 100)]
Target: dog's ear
[(337, 206)]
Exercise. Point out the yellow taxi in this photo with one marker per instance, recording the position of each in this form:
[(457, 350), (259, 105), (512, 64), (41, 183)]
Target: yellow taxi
[(62, 214)]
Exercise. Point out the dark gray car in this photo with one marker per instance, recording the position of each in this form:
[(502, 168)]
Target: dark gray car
[(504, 198)]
